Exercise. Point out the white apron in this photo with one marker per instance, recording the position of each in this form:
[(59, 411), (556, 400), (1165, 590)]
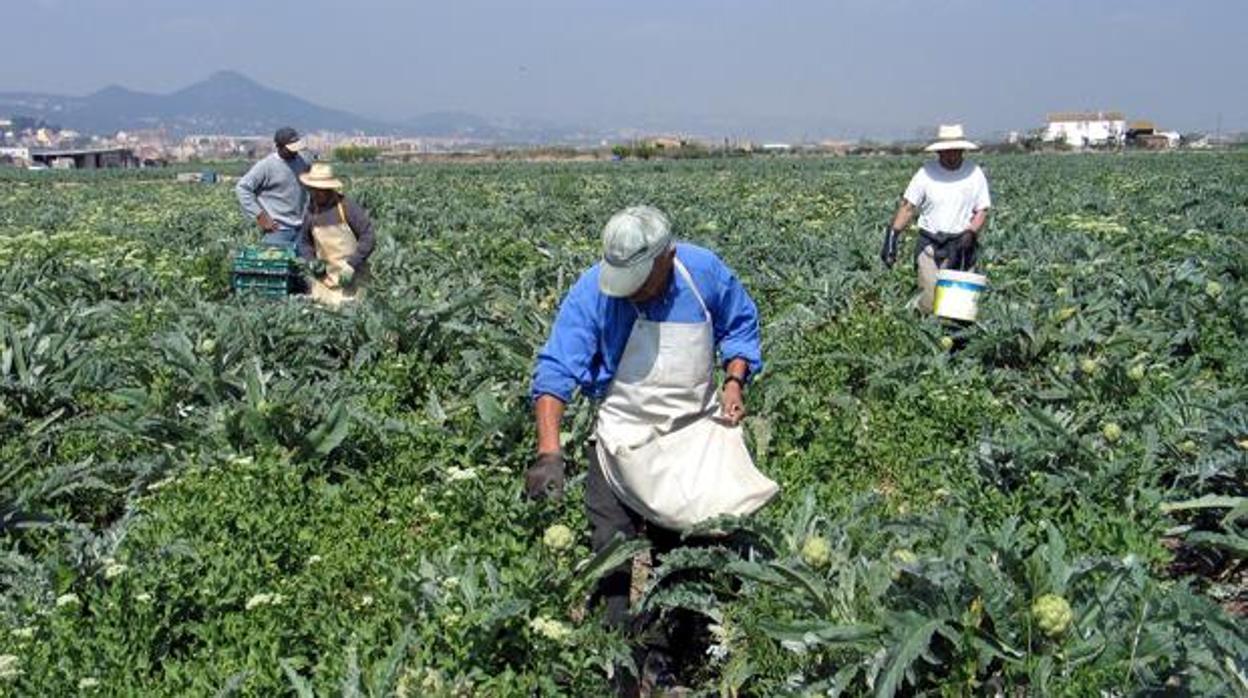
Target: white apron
[(664, 448), (334, 245)]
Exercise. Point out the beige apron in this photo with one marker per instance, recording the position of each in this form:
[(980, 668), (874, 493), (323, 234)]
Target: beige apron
[(334, 245), (664, 448)]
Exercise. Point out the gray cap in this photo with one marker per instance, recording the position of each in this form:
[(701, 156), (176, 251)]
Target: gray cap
[(631, 241)]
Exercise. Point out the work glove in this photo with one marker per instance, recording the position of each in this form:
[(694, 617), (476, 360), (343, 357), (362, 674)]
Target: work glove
[(892, 240), (317, 268), (964, 250), (545, 477), (346, 275)]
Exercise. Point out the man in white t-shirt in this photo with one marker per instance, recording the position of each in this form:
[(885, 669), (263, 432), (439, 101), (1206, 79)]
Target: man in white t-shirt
[(952, 200)]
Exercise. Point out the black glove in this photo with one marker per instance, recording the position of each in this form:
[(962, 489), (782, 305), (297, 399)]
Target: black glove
[(888, 253), (317, 268), (964, 250), (545, 477)]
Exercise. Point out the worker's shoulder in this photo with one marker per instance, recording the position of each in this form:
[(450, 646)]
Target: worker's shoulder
[(688, 251), (586, 287), (261, 164), (922, 176), (698, 258), (932, 170)]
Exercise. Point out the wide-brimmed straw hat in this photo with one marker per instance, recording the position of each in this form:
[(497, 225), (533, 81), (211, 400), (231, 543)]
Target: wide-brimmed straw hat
[(321, 176), (950, 137)]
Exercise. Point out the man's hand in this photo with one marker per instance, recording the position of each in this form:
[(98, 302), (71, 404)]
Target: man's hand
[(733, 402), (317, 268), (964, 249), (892, 240), (346, 275), (544, 479), (266, 222)]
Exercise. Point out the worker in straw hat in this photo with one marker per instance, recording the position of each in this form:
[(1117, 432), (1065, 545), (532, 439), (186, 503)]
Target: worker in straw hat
[(270, 193), (336, 239), (952, 200), (643, 333)]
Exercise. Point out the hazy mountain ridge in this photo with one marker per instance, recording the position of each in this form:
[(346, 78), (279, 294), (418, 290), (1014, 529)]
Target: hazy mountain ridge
[(229, 102)]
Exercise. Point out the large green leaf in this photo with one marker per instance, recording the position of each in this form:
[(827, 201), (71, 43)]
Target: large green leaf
[(914, 637), (331, 432)]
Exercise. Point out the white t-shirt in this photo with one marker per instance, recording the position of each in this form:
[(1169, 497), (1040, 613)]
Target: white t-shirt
[(948, 199)]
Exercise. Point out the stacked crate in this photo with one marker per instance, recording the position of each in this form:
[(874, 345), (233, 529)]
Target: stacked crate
[(264, 270)]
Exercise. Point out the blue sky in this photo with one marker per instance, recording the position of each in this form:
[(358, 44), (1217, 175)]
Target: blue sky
[(835, 68)]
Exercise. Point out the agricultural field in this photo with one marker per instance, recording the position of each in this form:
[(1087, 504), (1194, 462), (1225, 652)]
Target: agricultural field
[(205, 495)]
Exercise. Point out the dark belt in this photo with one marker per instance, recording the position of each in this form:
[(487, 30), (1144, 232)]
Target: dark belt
[(944, 253)]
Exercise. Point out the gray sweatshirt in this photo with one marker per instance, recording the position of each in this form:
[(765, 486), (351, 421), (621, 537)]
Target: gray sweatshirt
[(272, 185)]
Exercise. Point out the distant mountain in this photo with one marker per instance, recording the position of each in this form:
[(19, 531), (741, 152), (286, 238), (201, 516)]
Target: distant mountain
[(226, 102), (230, 103)]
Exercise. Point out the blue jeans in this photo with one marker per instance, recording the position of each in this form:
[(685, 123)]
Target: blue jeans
[(282, 237)]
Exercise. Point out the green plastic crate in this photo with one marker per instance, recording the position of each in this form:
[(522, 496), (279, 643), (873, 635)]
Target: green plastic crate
[(264, 259), (268, 285), (262, 270)]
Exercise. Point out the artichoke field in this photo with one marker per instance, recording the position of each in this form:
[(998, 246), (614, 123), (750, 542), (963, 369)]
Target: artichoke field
[(211, 495)]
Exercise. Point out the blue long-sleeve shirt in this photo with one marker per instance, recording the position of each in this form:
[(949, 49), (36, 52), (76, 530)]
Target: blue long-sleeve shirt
[(592, 328)]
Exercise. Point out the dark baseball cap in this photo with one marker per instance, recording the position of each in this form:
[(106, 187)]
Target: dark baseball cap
[(289, 138)]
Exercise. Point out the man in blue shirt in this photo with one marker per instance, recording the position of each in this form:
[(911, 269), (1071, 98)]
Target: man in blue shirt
[(642, 333)]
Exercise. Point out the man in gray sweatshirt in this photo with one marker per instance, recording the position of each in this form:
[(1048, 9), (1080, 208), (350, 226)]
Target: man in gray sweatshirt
[(271, 194)]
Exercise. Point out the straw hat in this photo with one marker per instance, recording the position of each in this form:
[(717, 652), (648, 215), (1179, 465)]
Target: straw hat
[(321, 176), (950, 137)]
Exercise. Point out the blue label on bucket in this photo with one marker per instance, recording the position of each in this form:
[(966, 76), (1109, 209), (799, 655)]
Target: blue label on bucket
[(965, 285)]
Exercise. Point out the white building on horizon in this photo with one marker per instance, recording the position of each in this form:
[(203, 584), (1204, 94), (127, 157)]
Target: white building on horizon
[(1086, 129)]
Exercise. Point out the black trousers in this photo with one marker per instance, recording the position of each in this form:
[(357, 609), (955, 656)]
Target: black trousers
[(944, 252), (683, 633)]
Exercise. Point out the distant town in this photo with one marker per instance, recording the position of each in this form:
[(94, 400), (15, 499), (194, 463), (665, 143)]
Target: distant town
[(32, 143)]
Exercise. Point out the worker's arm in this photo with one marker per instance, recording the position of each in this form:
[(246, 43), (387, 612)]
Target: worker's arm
[(545, 477), (733, 394), (549, 416), (248, 189), (983, 202), (562, 364), (978, 221), (904, 215), (566, 361), (305, 247), (734, 316), (362, 226), (911, 199)]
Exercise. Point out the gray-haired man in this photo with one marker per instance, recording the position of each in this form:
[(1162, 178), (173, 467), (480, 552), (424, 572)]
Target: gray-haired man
[(642, 332)]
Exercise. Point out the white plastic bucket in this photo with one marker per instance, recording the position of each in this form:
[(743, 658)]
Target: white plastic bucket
[(957, 294)]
